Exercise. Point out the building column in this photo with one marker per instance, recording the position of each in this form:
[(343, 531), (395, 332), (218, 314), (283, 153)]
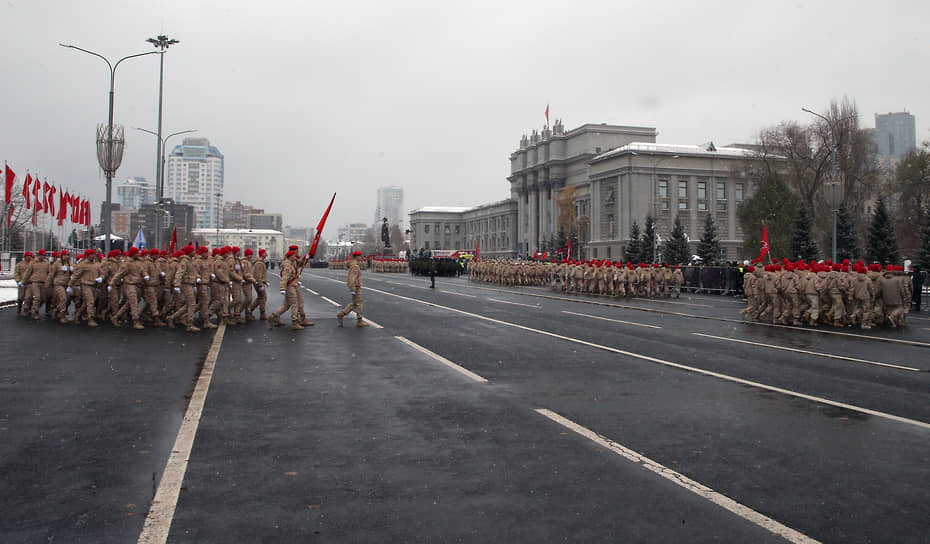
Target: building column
[(533, 238)]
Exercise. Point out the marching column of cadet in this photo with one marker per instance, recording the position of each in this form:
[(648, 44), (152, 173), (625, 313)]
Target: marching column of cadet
[(836, 294), (186, 287), (600, 277)]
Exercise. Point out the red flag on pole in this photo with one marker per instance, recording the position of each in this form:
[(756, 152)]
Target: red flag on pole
[(174, 239), (50, 200), (765, 245), (45, 190), (10, 179), (63, 199), (319, 229), (75, 209), (86, 212), (476, 250), (37, 204), (569, 250), (547, 115), (27, 191)]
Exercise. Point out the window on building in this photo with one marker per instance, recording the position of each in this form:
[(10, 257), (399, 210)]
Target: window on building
[(702, 190), (739, 192), (663, 188), (447, 230), (426, 246), (436, 228), (426, 229), (665, 204), (682, 189), (721, 205), (721, 190), (702, 205)]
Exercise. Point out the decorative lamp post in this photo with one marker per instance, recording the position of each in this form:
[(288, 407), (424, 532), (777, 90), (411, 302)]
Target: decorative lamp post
[(109, 145)]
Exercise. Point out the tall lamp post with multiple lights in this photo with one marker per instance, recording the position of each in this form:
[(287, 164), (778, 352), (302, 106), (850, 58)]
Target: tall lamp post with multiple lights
[(162, 43), (160, 173), (832, 125), (109, 149)]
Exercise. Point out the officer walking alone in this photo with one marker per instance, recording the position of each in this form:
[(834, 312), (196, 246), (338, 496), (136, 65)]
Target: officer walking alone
[(354, 282)]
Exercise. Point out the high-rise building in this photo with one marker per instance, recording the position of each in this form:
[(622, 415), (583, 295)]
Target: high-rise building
[(895, 135), (134, 192), (195, 177), (391, 205), (353, 232)]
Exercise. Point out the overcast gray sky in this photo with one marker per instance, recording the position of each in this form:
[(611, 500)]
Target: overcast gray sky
[(309, 98)]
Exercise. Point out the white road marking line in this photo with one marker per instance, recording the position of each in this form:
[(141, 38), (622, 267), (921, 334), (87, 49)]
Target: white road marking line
[(687, 368), (333, 302), (614, 320), (817, 353), (443, 360), (709, 317), (514, 303), (677, 478), (161, 513), (459, 294), (312, 292)]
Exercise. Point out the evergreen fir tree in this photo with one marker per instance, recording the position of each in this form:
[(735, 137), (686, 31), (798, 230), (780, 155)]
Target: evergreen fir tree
[(648, 245), (676, 247), (883, 244), (847, 242), (709, 248), (634, 251), (803, 245), (923, 258)]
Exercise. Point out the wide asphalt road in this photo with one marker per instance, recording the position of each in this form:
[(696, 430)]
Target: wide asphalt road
[(469, 413)]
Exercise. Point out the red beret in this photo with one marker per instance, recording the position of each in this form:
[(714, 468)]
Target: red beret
[(248, 252), (289, 253), (28, 254), (216, 251), (89, 252), (235, 249), (262, 252), (133, 251), (293, 248), (54, 254), (41, 253), (188, 249), (356, 253)]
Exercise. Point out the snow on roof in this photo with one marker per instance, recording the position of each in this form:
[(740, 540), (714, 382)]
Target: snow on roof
[(707, 150), (443, 209), (236, 231)]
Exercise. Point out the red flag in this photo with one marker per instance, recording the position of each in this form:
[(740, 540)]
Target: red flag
[(75, 209), (10, 178), (765, 245), (547, 115), (569, 250), (174, 239), (37, 204), (476, 250), (27, 191), (319, 229), (63, 199), (86, 212), (45, 189), (535, 255), (50, 200), (545, 255)]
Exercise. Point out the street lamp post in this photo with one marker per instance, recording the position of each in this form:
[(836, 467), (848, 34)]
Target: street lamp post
[(109, 144), (832, 125), (162, 43), (160, 173), (655, 236)]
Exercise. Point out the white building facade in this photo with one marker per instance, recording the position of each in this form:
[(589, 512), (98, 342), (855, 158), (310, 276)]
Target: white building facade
[(664, 181), (492, 228), (195, 177), (549, 160), (271, 241)]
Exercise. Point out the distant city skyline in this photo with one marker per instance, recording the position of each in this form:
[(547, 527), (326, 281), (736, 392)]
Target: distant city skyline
[(196, 176)]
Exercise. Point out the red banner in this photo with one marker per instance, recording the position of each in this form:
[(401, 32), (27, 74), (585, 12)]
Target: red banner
[(319, 229)]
